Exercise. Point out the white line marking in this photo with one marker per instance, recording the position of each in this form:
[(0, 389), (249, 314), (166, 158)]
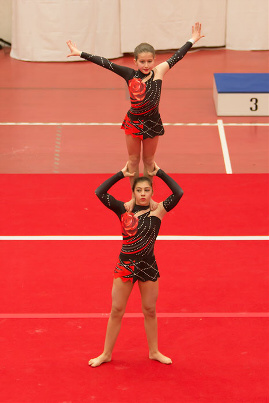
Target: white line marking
[(119, 238), (246, 124), (224, 147), (57, 124), (119, 124), (134, 315), (57, 149)]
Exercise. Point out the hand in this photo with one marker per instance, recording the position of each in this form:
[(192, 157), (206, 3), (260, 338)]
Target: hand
[(126, 172), (155, 170), (153, 205), (73, 49), (130, 205), (196, 32)]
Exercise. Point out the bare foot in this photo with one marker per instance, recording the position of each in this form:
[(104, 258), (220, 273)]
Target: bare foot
[(153, 205), (95, 362), (160, 357), (129, 205)]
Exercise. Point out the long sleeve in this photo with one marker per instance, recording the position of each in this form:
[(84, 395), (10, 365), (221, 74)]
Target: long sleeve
[(123, 71), (108, 200), (174, 198), (179, 54)]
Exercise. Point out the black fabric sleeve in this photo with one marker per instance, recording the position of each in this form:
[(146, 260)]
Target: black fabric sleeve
[(108, 200), (174, 198), (179, 54), (123, 71)]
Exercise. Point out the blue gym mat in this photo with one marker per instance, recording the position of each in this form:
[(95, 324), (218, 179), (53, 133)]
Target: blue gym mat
[(242, 82)]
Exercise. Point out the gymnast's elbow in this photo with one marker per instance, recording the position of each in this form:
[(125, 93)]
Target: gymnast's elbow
[(180, 193), (98, 193)]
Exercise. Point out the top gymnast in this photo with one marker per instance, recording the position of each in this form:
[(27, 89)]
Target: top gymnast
[(143, 121)]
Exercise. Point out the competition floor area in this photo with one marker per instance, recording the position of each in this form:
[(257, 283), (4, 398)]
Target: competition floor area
[(60, 138)]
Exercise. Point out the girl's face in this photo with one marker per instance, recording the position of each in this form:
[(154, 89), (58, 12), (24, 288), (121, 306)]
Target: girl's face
[(145, 62), (143, 192)]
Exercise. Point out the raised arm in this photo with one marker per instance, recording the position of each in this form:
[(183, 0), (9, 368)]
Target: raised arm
[(164, 67), (108, 200), (123, 71), (172, 200)]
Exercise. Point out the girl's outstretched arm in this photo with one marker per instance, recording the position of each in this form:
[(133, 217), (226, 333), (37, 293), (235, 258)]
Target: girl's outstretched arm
[(123, 71), (164, 67)]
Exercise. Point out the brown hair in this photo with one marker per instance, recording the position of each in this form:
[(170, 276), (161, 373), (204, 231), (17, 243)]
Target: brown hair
[(142, 179), (143, 47)]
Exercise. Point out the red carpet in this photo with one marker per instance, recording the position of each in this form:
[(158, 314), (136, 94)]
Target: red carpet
[(67, 205), (214, 361)]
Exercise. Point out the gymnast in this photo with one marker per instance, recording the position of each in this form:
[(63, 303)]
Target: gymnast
[(143, 121), (136, 260)]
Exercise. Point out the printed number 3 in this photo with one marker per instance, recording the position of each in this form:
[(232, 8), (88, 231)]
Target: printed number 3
[(254, 107)]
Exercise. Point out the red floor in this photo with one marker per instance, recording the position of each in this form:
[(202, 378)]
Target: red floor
[(64, 205), (214, 361), (249, 150), (210, 276), (48, 149), (218, 356), (43, 92)]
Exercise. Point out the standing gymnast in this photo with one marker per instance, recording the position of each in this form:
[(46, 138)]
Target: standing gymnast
[(143, 121), (136, 260)]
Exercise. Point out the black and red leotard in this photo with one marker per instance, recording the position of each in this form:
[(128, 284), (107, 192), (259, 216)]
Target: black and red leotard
[(136, 259), (143, 119)]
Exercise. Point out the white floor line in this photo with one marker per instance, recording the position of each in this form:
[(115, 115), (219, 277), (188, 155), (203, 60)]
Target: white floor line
[(246, 124), (118, 124), (57, 149), (224, 147), (134, 315), (119, 238)]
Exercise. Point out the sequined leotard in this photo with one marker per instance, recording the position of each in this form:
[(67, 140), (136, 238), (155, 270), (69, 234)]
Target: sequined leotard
[(143, 119), (136, 259)]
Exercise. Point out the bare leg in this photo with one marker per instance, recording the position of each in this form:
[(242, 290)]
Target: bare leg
[(134, 149), (149, 150), (120, 294), (149, 294)]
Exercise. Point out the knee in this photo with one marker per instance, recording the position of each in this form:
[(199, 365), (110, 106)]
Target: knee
[(148, 160), (117, 312), (149, 311), (134, 160)]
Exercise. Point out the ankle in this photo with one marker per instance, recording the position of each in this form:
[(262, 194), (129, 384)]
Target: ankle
[(153, 352), (107, 354)]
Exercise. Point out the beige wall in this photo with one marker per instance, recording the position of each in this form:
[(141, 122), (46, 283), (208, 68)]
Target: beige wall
[(112, 27), (5, 19)]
